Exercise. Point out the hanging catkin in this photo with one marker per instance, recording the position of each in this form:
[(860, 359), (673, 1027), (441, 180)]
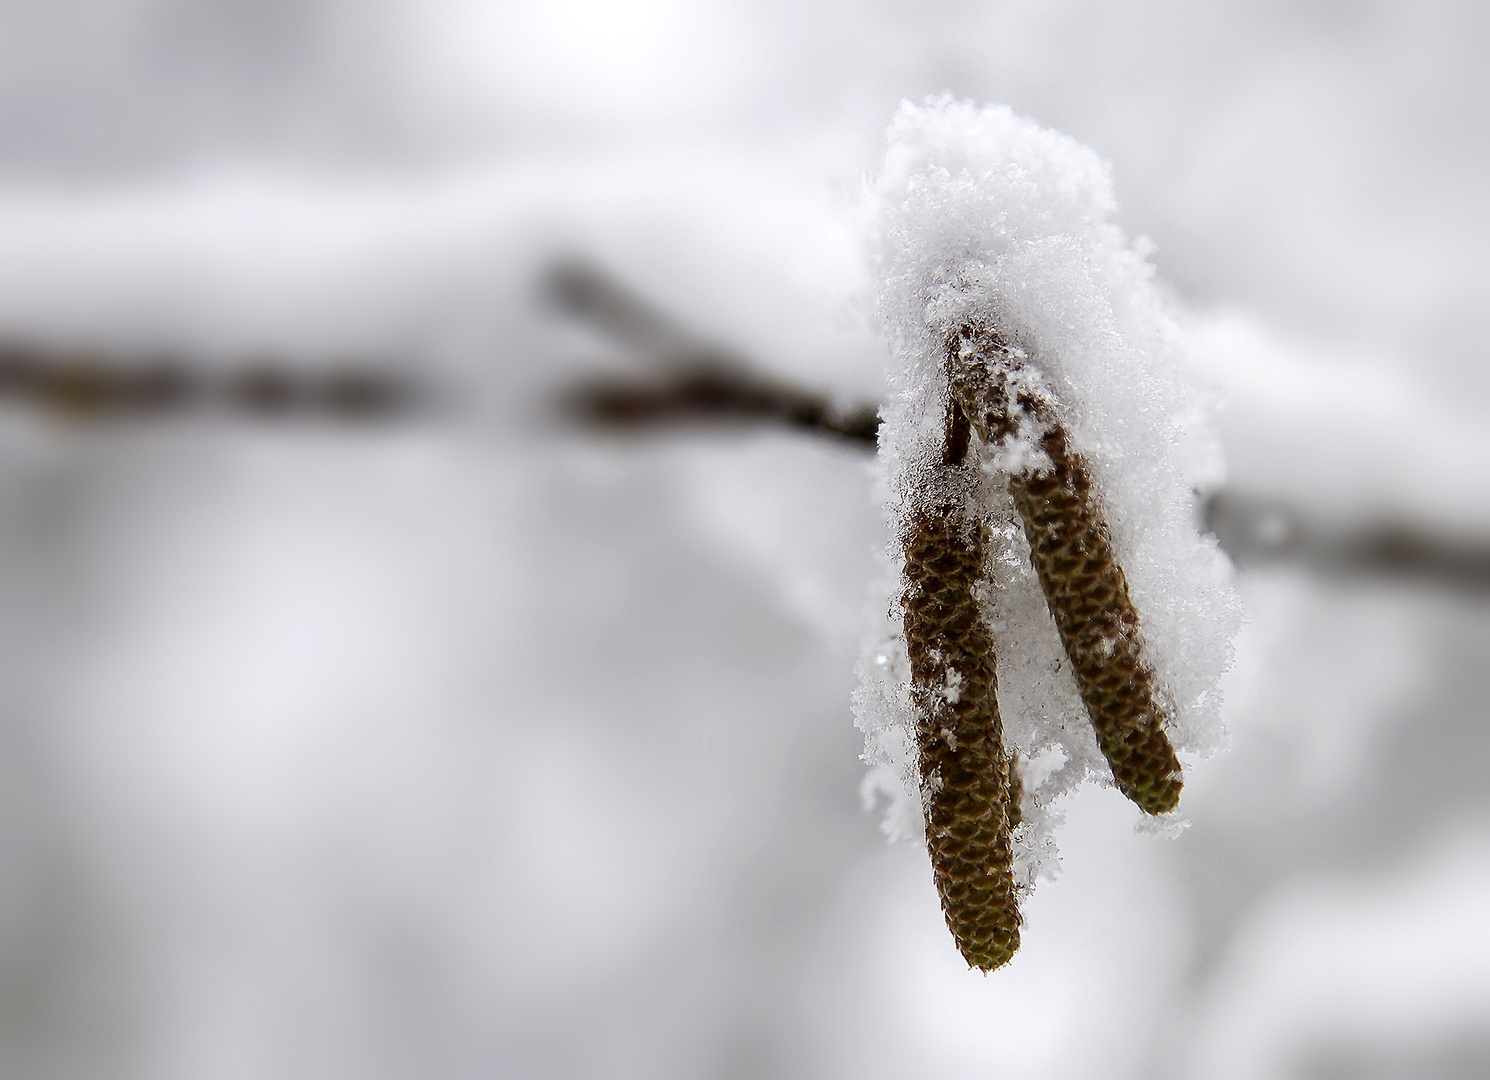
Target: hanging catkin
[(969, 786), (1041, 454), (1072, 554)]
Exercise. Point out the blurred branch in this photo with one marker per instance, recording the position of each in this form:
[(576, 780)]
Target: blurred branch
[(84, 385), (588, 292), (688, 379), (1260, 531), (709, 395), (685, 380)]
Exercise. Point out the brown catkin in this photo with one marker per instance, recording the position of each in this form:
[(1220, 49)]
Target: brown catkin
[(1072, 554), (969, 786)]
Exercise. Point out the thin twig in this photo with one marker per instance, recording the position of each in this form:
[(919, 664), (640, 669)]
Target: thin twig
[(711, 396), (687, 380)]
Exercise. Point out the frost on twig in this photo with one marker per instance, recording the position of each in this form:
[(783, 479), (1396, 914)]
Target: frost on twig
[(1060, 617)]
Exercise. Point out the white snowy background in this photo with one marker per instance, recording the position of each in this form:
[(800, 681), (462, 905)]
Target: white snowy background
[(482, 747)]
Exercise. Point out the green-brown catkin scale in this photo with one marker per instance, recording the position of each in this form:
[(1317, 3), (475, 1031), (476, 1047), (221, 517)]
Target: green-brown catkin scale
[(1072, 554), (969, 785)]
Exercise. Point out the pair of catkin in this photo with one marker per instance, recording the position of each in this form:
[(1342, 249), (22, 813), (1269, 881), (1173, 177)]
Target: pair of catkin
[(970, 785)]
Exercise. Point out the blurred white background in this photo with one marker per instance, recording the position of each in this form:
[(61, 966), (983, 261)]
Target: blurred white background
[(480, 746)]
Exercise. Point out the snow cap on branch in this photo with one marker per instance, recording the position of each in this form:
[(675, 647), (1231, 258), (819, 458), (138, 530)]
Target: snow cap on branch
[(988, 228)]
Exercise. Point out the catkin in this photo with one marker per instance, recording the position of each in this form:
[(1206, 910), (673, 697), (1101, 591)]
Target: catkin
[(1072, 554), (969, 785)]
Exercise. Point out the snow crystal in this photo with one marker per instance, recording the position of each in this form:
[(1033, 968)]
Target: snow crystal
[(983, 217)]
